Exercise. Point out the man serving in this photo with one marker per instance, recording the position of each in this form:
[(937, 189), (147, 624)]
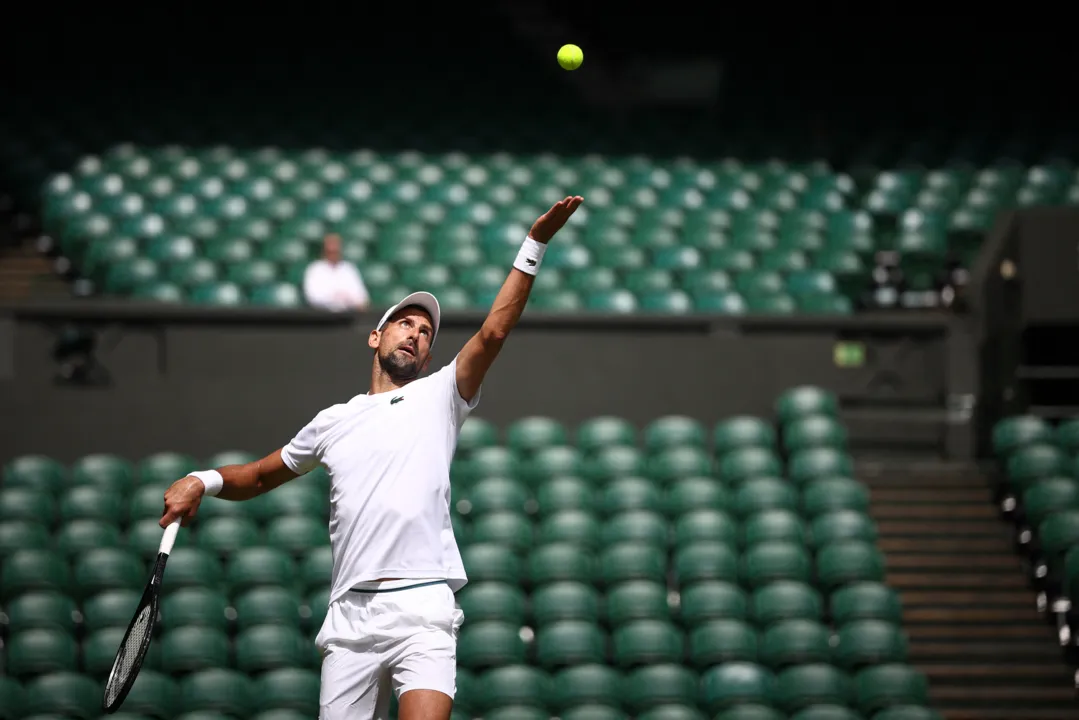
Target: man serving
[(392, 622)]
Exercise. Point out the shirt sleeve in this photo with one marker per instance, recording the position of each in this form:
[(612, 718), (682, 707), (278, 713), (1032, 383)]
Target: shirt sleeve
[(303, 454), (361, 288), (459, 407)]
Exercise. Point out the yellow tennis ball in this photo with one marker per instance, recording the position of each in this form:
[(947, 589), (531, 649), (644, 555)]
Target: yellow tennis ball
[(570, 57)]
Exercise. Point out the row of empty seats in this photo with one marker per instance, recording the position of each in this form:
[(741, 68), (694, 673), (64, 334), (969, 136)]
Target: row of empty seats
[(226, 226), (673, 571), (1039, 490)]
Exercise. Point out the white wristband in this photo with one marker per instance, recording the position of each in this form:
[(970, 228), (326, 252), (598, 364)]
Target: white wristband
[(211, 479), (530, 256)]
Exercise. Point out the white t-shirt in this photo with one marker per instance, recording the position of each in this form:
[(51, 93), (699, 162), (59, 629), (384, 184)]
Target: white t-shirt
[(388, 456), (334, 286)]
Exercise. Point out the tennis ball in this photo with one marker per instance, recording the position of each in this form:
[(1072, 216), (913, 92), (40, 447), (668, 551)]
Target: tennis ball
[(570, 57)]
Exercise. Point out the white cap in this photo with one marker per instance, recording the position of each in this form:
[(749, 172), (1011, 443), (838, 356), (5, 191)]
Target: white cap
[(425, 300)]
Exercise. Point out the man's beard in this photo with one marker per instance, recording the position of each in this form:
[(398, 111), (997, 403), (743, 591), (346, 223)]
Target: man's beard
[(400, 368)]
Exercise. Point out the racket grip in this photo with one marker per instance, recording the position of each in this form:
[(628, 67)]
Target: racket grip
[(169, 537)]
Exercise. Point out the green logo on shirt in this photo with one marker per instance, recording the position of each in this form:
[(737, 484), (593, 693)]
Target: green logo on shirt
[(397, 399)]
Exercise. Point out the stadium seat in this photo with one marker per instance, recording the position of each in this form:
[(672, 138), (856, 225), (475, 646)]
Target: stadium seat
[(41, 610)]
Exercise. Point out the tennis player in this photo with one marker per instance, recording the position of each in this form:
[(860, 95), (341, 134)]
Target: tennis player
[(392, 622)]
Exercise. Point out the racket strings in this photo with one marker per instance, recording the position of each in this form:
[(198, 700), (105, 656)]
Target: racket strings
[(128, 659)]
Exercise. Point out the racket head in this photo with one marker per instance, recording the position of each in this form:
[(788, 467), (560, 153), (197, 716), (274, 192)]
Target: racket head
[(136, 643)]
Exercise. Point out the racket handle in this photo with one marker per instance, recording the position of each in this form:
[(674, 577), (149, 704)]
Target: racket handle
[(169, 537)]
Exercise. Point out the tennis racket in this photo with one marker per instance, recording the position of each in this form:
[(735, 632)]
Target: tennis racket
[(136, 642)]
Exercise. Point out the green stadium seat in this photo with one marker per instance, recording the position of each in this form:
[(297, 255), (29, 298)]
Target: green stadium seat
[(654, 686), (737, 466), (103, 569), (772, 561), (869, 642), (762, 494), (509, 529), (833, 494), (217, 690), (497, 494), (297, 534), (1066, 436), (865, 601), (888, 685), (751, 711), (647, 642), (565, 493), (225, 535), (192, 567), (705, 561), (188, 273), (11, 699), (679, 462), (217, 293), (907, 712), (47, 610), (32, 569), (1034, 462), (672, 431), (632, 561), (1049, 495), (27, 505), (64, 694), (848, 562), (795, 642), (574, 527), (22, 535), (737, 683), (695, 493), (158, 292), (638, 526), (705, 525), (250, 567), (562, 562), (803, 686), (712, 600), (40, 650), (636, 600), (772, 526), (587, 692), (197, 607), (491, 601), (813, 463), (534, 433), (742, 431), (490, 644), (110, 609), (147, 502), (814, 431), (35, 472), (614, 461), (287, 690), (186, 649), (630, 494), (785, 600), (268, 605), (164, 468), (487, 562), (562, 601), (106, 471), (604, 431), (88, 502), (722, 640), (144, 538), (569, 642), (842, 525), (270, 647), (79, 535), (807, 400)]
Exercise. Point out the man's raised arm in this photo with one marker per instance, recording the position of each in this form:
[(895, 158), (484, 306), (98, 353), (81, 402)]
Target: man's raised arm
[(231, 482), (480, 351)]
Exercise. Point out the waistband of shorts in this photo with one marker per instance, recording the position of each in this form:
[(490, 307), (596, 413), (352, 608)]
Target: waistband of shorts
[(385, 586)]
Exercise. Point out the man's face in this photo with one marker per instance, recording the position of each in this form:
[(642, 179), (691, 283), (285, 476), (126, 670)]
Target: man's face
[(403, 345), (331, 248)]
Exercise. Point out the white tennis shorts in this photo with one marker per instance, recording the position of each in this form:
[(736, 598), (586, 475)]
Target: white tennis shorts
[(391, 638)]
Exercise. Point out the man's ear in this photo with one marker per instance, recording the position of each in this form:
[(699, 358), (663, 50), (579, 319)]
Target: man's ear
[(372, 339)]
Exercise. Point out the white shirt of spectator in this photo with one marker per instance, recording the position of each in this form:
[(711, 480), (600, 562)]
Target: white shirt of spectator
[(388, 456), (334, 286)]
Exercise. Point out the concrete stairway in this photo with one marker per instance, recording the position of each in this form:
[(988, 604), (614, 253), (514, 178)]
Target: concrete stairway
[(970, 614)]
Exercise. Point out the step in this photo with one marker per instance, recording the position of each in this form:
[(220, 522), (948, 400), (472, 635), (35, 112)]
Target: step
[(957, 561), (954, 632), (972, 545), (984, 511), (988, 527), (931, 495), (1052, 674), (968, 598), (921, 481), (908, 579), (1008, 713), (967, 615), (994, 651), (994, 694)]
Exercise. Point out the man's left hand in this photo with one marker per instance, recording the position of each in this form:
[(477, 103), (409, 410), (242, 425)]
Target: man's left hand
[(552, 221)]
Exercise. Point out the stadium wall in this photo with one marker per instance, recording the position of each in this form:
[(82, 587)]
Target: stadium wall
[(202, 381)]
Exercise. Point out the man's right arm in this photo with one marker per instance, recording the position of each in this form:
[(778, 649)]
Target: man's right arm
[(239, 482)]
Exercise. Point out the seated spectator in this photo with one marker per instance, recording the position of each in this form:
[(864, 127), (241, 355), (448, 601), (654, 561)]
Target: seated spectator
[(333, 283)]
